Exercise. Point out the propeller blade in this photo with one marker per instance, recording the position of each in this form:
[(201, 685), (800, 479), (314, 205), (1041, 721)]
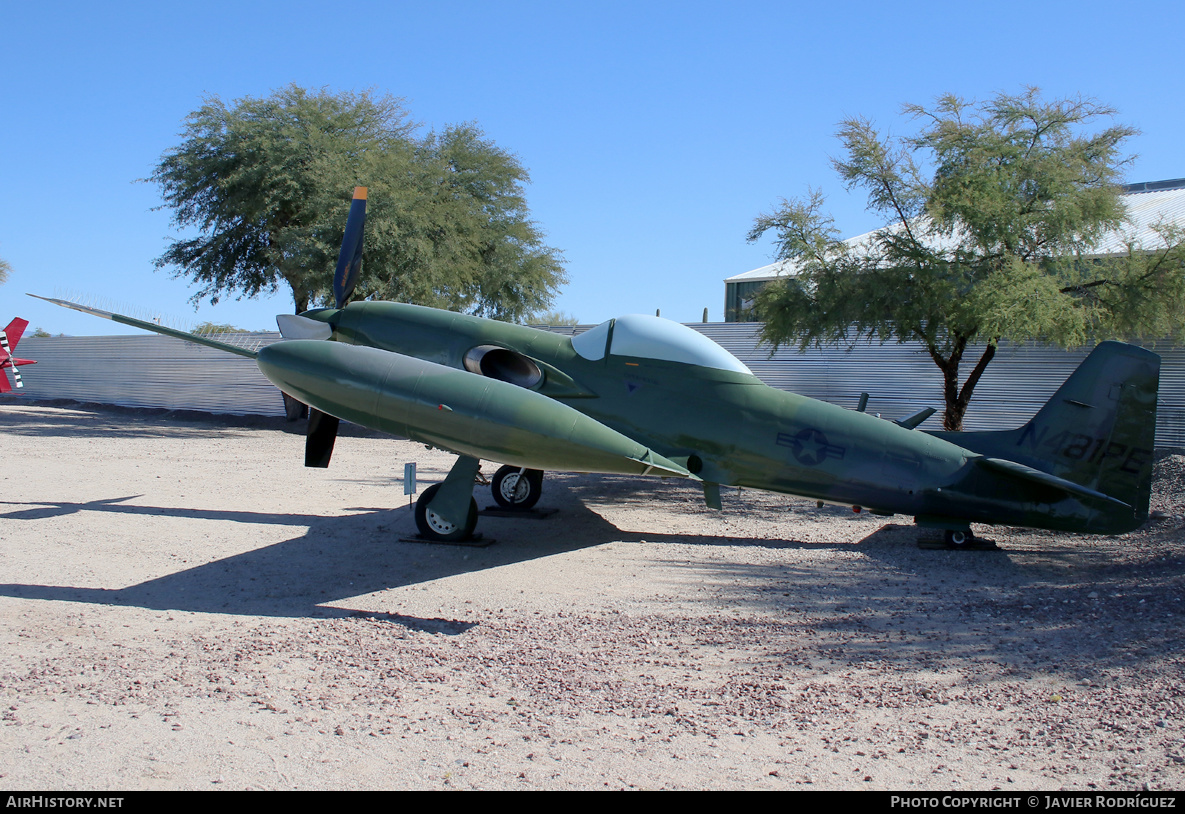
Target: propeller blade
[(318, 443), (349, 261), (12, 360)]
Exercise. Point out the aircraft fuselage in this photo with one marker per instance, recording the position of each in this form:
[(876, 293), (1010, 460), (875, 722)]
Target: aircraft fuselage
[(726, 427)]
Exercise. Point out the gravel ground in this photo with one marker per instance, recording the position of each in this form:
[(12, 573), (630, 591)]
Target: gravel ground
[(184, 606)]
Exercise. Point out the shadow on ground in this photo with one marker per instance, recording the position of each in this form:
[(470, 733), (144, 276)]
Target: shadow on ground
[(873, 598)]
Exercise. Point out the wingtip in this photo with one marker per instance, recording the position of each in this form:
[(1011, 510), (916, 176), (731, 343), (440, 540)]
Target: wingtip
[(359, 193)]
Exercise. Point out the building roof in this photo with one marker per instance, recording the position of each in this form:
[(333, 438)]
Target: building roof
[(1148, 203)]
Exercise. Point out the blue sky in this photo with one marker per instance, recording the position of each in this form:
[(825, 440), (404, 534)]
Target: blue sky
[(654, 132)]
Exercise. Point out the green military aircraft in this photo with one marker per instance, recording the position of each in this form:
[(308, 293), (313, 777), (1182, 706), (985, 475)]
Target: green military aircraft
[(639, 395)]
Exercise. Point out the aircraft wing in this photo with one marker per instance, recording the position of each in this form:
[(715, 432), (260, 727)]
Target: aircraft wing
[(151, 326), (456, 410), (448, 408)]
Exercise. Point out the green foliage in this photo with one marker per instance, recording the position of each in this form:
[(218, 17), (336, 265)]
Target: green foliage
[(267, 183), (553, 318), (217, 328), (991, 238), (41, 333)]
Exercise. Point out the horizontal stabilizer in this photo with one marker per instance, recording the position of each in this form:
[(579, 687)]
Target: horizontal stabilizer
[(1027, 473)]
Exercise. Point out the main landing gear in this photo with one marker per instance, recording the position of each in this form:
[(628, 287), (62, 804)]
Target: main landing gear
[(447, 513), (515, 489), (958, 539), (964, 540), (436, 527), (951, 535)]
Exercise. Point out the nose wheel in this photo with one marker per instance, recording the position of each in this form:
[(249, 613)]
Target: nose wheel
[(516, 489)]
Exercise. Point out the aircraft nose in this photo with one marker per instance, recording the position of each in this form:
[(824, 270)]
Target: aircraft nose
[(285, 363), (301, 367), (335, 378)]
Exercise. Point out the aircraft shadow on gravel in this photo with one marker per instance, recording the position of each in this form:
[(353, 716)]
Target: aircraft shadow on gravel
[(348, 556), (955, 608)]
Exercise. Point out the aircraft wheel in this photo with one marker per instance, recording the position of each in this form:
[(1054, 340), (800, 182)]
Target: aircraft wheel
[(515, 492), (959, 539), (434, 527)]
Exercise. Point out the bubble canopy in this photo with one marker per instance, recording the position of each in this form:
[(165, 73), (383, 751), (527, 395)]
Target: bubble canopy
[(650, 337)]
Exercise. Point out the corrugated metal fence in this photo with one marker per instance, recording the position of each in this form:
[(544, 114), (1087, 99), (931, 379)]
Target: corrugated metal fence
[(148, 371), (155, 371)]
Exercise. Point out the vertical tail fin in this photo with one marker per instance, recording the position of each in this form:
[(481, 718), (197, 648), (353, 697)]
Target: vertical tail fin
[(8, 341), (1097, 431), (14, 332)]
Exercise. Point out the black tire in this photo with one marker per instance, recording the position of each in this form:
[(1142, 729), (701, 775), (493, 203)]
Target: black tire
[(433, 527), (294, 409), (959, 539), (514, 492)]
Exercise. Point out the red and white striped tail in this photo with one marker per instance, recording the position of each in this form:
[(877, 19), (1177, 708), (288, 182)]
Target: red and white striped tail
[(16, 372)]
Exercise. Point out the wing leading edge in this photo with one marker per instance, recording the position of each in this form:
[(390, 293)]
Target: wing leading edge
[(151, 326)]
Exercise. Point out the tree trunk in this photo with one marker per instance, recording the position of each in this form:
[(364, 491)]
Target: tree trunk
[(952, 417), (300, 298), (958, 398)]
